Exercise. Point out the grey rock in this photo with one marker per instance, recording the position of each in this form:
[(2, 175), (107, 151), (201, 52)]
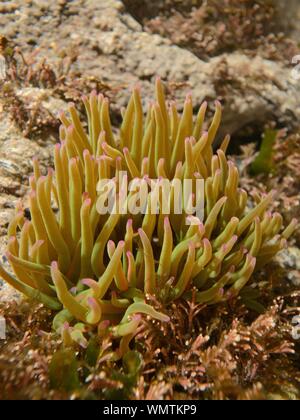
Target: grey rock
[(113, 46)]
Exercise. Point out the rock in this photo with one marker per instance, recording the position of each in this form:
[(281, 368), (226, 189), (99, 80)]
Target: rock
[(113, 46), (289, 260), (290, 15), (16, 153), (44, 98)]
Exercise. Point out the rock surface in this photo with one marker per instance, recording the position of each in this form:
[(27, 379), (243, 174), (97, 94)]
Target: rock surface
[(16, 153), (113, 46)]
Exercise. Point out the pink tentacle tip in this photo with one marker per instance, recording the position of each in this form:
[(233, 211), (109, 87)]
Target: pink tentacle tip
[(70, 129), (129, 223), (86, 152), (73, 161), (221, 292), (94, 93), (73, 290), (89, 282), (92, 302), (165, 318), (244, 250), (104, 325), (136, 317), (87, 202), (166, 221), (20, 212), (224, 247), (137, 87), (188, 100), (201, 228), (54, 265), (86, 282), (206, 242), (147, 179)]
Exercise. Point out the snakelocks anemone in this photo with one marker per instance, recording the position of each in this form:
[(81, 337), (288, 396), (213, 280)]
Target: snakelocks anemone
[(95, 269)]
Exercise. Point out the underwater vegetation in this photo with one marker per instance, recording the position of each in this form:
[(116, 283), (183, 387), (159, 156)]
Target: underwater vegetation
[(96, 271)]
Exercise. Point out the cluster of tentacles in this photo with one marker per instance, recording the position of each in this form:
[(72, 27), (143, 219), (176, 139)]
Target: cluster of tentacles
[(96, 270)]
